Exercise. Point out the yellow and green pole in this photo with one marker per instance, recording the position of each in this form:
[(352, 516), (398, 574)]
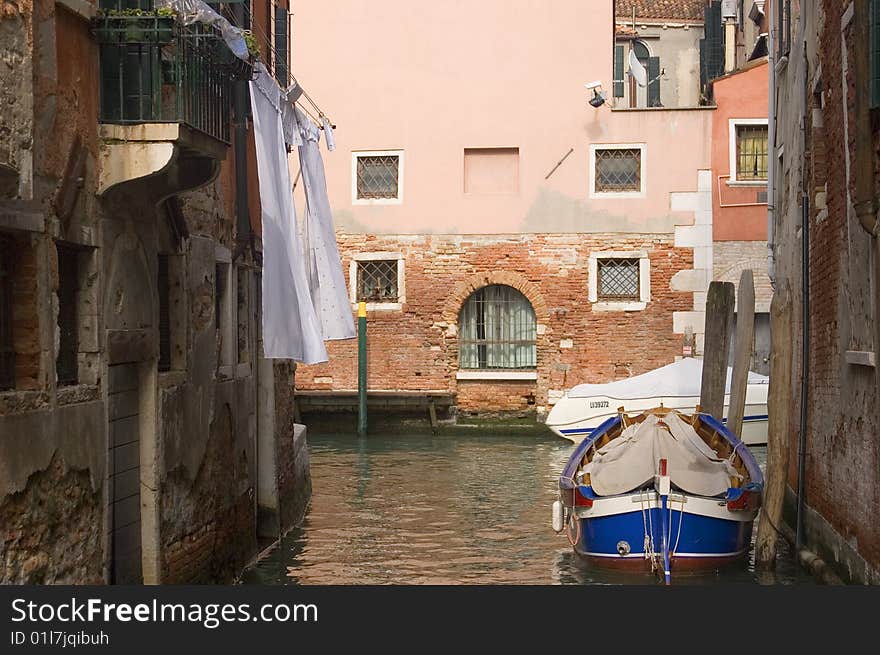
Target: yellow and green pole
[(362, 369)]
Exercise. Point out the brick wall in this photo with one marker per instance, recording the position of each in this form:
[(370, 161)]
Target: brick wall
[(843, 402), (415, 348), (207, 523), (25, 325)]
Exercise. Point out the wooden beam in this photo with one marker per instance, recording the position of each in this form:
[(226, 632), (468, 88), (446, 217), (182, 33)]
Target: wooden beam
[(742, 351), (778, 407), (432, 413), (719, 314)]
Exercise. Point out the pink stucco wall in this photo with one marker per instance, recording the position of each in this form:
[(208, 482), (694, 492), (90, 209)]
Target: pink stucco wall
[(436, 78), (739, 95)]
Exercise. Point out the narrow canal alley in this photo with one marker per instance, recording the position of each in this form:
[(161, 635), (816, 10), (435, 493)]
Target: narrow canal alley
[(451, 509)]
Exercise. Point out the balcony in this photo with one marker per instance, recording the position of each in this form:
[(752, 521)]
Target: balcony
[(166, 98)]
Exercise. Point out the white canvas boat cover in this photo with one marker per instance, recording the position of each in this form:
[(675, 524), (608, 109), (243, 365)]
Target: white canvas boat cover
[(679, 379), (630, 461)]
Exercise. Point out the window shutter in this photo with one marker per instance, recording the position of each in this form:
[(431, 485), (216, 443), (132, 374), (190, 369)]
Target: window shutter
[(714, 41), (618, 71), (653, 81), (281, 46)]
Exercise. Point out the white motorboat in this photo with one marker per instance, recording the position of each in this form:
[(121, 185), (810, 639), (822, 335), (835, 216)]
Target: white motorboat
[(585, 407)]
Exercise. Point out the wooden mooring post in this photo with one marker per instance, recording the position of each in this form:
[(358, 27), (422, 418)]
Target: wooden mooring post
[(362, 369), (742, 351), (719, 313), (778, 406)]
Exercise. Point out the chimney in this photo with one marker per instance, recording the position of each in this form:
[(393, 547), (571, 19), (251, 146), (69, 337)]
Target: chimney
[(729, 18)]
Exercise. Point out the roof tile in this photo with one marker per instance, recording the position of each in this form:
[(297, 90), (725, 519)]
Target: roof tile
[(690, 10)]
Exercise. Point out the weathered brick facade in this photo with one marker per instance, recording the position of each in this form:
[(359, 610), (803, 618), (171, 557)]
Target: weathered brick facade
[(841, 449), (416, 347), (136, 453)]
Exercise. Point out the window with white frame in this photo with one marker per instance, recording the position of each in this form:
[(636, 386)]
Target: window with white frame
[(617, 170), (377, 177), (748, 150), (377, 279), (619, 280)]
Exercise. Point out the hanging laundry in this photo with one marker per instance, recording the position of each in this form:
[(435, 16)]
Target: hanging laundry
[(328, 135), (326, 281), (290, 125), (291, 329)]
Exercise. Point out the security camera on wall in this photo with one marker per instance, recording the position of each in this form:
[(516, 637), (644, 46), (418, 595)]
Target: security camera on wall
[(598, 98)]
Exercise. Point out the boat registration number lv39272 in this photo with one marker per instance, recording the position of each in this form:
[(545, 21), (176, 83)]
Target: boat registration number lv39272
[(598, 403)]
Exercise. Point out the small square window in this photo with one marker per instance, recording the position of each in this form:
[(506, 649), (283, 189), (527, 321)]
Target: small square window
[(618, 279), (377, 281), (751, 152), (378, 177), (618, 170)]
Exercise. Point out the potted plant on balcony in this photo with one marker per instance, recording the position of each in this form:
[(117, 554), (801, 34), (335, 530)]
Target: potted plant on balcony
[(135, 26)]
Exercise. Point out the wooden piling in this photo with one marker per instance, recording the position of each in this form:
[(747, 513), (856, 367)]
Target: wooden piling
[(742, 351), (719, 313), (778, 407), (362, 369)]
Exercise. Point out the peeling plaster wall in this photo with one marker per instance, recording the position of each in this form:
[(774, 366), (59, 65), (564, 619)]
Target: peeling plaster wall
[(16, 100)]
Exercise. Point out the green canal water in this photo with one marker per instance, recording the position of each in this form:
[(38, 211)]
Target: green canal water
[(424, 509)]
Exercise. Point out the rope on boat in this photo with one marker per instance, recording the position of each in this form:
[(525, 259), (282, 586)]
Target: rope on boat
[(577, 524), (572, 515), (680, 521)]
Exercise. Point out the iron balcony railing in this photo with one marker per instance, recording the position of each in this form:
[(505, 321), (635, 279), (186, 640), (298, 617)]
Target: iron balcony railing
[(155, 70)]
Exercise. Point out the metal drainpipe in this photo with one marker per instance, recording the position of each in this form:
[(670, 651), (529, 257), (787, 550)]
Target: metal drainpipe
[(240, 119), (773, 161)]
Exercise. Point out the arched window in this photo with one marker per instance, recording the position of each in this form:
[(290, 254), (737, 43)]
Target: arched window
[(497, 330)]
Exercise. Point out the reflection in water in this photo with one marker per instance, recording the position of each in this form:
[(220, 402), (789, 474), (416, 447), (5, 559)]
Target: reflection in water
[(428, 509)]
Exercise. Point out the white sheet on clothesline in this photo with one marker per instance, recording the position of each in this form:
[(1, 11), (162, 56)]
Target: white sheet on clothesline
[(291, 329), (326, 281)]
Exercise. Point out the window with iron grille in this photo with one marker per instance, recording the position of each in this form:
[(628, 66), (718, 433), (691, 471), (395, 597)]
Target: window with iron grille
[(68, 297), (377, 177), (751, 152), (618, 279), (7, 349), (164, 288), (618, 170), (497, 330), (377, 281)]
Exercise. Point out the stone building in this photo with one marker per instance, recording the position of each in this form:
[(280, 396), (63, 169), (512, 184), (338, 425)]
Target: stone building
[(825, 257), (665, 38), (143, 437), (740, 162), (510, 238)]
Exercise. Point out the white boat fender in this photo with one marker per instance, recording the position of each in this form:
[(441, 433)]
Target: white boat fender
[(558, 521)]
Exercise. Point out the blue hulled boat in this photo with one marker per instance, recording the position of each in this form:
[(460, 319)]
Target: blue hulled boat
[(661, 491)]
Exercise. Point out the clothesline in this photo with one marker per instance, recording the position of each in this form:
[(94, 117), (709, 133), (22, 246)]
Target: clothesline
[(274, 52), (191, 11)]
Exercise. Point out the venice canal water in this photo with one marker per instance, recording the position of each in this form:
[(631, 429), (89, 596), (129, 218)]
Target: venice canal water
[(462, 509)]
